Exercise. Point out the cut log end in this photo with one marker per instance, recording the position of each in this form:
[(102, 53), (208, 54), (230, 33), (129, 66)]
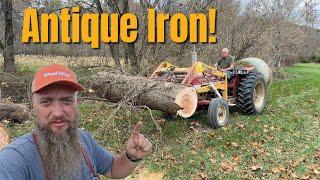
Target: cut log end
[(187, 99), (4, 136)]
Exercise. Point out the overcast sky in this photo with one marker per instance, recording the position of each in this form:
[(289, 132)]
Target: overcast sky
[(299, 9)]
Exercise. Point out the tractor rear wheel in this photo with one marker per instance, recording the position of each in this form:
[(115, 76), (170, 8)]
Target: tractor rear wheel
[(252, 93), (218, 113)]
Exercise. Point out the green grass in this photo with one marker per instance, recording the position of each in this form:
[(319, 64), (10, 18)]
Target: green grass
[(282, 141)]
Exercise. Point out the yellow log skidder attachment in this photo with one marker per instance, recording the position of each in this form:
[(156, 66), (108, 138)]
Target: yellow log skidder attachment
[(197, 70)]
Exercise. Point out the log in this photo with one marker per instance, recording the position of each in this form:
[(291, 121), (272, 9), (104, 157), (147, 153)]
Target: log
[(4, 136), (176, 99), (14, 112)]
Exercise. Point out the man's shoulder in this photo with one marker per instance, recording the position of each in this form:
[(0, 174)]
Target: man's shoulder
[(21, 147), (231, 57), (21, 143), (85, 136), (83, 132)]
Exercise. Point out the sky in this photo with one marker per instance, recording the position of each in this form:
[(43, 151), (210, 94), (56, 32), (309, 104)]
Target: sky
[(299, 9)]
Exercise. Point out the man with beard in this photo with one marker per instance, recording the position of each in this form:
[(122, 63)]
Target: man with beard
[(56, 148)]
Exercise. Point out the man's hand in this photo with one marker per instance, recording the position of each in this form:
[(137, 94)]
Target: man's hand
[(138, 146)]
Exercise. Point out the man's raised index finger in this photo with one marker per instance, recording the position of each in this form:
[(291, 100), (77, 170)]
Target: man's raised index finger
[(136, 129)]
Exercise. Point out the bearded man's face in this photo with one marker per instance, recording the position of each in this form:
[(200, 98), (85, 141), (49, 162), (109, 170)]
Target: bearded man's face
[(55, 111)]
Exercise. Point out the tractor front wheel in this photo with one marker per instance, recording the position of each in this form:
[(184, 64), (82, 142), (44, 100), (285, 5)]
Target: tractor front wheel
[(218, 113)]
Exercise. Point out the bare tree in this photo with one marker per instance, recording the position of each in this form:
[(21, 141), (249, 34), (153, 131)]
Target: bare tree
[(1, 45), (114, 48), (130, 48), (9, 64), (309, 13)]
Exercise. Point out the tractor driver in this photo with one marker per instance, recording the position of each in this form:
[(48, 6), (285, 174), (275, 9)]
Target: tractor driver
[(226, 62), (57, 148)]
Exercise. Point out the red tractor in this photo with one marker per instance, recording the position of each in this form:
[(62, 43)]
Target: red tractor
[(246, 88)]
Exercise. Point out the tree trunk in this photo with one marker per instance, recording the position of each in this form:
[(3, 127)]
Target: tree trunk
[(1, 45), (14, 112), (114, 48), (126, 55), (4, 136), (168, 97), (131, 47), (9, 65), (134, 62)]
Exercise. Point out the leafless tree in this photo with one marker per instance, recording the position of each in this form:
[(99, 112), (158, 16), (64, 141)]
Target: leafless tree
[(9, 61), (309, 12), (268, 29)]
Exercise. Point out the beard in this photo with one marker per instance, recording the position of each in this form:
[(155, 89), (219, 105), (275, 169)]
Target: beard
[(61, 152)]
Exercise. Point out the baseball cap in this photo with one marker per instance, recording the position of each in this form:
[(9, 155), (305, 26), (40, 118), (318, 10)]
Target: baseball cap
[(54, 74)]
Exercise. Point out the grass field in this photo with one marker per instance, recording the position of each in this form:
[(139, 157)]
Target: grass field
[(283, 142)]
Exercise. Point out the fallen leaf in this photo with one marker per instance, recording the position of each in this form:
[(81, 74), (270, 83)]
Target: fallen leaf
[(317, 154), (195, 130), (202, 176), (278, 150), (255, 167), (272, 128), (254, 144), (294, 164), (304, 177), (155, 176), (269, 138), (182, 156), (240, 125), (161, 121), (144, 174), (311, 100), (294, 175), (236, 158), (254, 134), (195, 124), (278, 169), (91, 90), (234, 144), (227, 166)]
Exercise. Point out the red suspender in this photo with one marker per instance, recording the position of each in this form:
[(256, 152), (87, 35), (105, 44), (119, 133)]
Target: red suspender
[(46, 170), (89, 162)]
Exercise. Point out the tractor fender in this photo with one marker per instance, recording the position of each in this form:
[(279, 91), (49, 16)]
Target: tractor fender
[(259, 66)]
